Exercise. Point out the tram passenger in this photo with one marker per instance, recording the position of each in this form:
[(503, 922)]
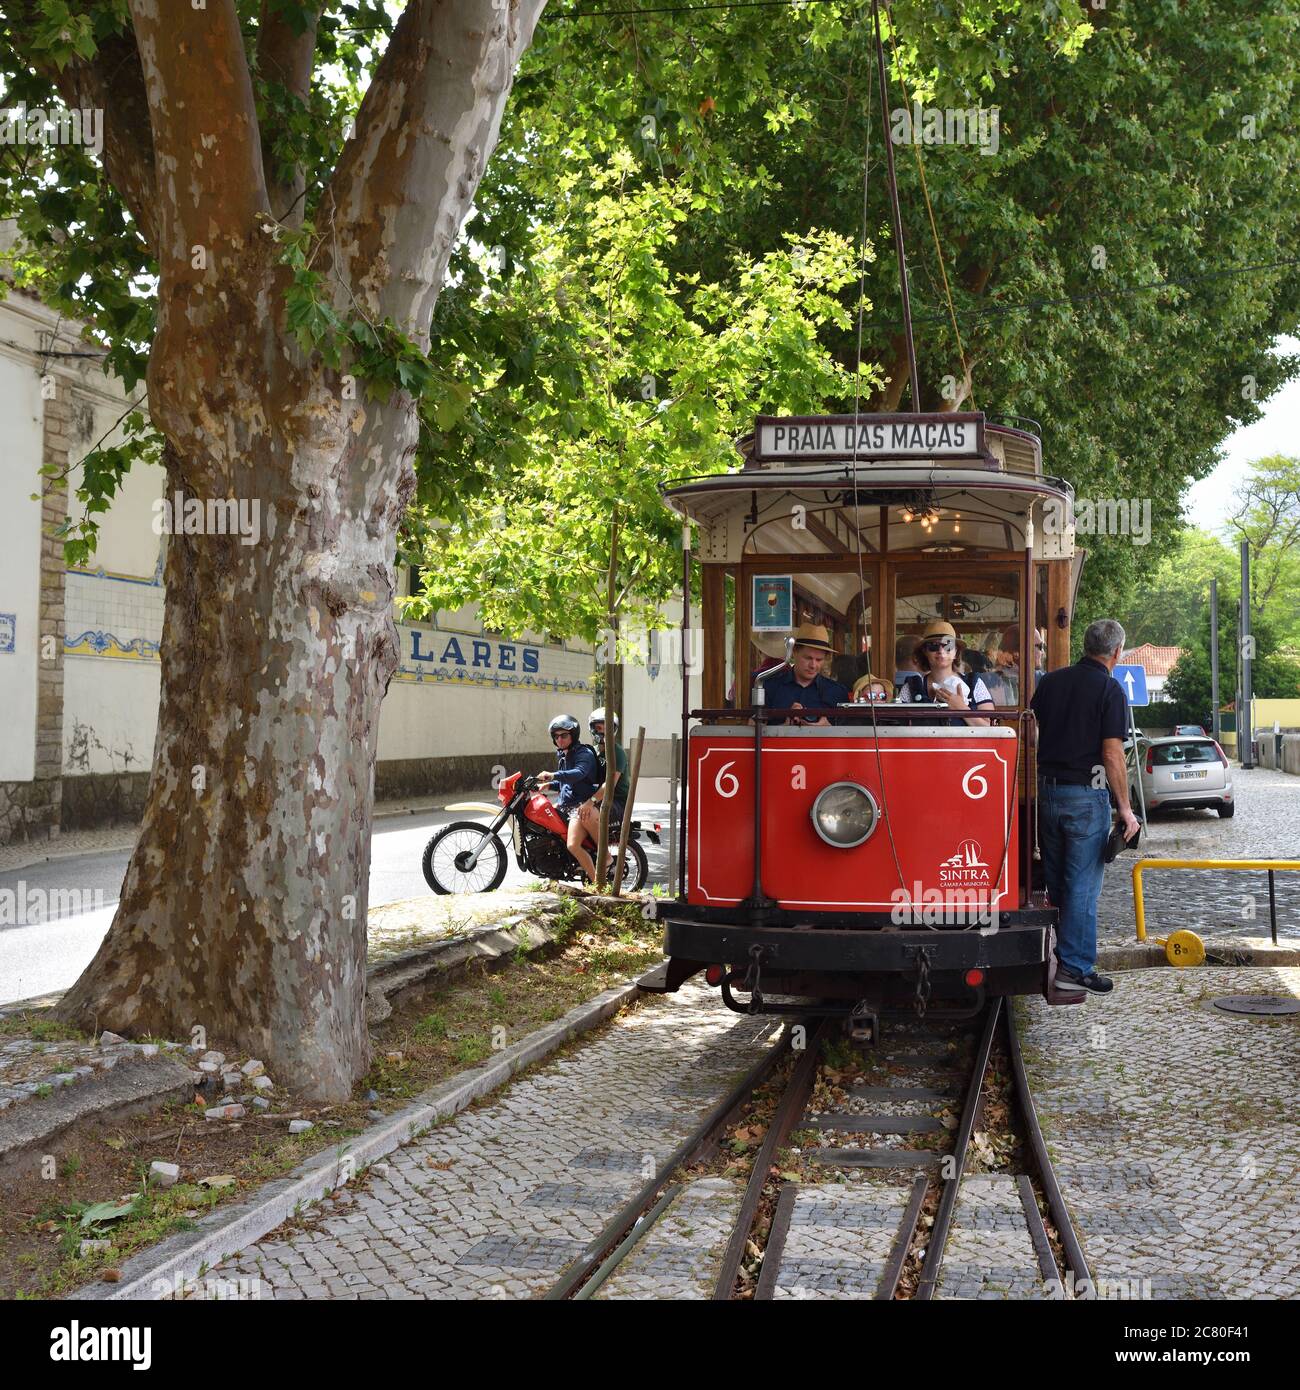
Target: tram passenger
[(803, 686), (871, 688), (904, 665), (936, 654)]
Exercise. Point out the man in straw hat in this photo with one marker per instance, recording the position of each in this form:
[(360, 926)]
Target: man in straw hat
[(803, 686)]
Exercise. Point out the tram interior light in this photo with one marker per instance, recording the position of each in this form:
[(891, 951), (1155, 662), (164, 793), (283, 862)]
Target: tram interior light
[(845, 814)]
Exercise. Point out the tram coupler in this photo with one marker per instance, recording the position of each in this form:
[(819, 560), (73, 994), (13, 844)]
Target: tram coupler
[(864, 1021)]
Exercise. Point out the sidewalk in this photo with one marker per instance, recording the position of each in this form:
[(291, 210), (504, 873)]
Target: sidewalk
[(69, 844)]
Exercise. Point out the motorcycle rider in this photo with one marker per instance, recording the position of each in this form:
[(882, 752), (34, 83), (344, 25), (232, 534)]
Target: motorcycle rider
[(577, 774), (589, 811)]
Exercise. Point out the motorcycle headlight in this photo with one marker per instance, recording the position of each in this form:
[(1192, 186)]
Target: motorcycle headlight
[(845, 814)]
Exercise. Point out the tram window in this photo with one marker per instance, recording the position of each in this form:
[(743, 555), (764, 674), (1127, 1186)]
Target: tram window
[(840, 602), (984, 609)]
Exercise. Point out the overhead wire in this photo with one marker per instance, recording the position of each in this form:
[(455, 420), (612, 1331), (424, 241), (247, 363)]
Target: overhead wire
[(925, 193)]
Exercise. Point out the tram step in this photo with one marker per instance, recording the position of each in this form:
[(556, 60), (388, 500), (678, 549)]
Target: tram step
[(900, 1093), (877, 1124)]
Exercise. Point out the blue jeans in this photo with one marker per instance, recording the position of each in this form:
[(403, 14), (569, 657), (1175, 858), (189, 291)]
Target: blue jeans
[(1073, 823)]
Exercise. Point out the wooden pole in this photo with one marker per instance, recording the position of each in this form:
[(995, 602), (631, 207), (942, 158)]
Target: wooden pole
[(613, 695), (672, 813), (626, 830)]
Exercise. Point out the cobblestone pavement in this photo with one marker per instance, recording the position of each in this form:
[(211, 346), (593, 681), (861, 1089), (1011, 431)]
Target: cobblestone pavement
[(840, 1237), (496, 1202), (990, 1252), (1213, 902), (1172, 1129), (682, 1253)]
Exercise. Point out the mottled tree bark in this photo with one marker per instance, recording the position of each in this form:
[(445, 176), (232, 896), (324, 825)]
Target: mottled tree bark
[(244, 905)]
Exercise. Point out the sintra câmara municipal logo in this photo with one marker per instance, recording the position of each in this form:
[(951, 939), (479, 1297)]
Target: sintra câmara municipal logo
[(966, 867)]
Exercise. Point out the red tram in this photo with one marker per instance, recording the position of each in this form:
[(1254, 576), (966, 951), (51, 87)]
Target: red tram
[(885, 856)]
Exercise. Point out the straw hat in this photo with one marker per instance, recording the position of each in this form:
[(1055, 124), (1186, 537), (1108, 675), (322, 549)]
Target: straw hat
[(863, 682), (771, 644), (815, 636)]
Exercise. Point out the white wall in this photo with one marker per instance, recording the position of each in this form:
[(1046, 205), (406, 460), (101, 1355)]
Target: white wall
[(22, 415), (110, 714)]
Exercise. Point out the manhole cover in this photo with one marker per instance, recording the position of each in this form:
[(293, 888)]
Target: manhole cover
[(1261, 1004)]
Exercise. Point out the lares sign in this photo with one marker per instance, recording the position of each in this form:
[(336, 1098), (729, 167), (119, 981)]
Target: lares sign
[(809, 438), (450, 652)]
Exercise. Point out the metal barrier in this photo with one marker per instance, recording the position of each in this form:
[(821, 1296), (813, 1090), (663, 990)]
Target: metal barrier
[(1270, 864)]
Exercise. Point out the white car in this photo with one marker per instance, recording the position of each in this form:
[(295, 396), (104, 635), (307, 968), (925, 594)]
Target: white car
[(1182, 771)]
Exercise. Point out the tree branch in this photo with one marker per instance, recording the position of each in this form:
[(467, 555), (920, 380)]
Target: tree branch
[(428, 123), (210, 181), (112, 83), (286, 57)]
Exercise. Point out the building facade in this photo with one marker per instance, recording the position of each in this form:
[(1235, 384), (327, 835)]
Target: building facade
[(79, 648)]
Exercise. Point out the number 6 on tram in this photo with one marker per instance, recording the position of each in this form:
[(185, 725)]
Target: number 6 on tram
[(862, 857)]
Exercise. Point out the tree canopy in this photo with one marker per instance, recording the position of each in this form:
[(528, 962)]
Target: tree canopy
[(1119, 268)]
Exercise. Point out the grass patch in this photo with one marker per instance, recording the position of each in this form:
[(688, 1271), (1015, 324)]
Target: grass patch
[(497, 1004), (41, 1025)]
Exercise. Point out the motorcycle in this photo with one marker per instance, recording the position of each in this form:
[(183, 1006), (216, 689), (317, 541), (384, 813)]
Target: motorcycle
[(468, 856)]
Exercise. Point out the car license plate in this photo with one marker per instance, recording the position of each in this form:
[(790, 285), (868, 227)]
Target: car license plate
[(1189, 776)]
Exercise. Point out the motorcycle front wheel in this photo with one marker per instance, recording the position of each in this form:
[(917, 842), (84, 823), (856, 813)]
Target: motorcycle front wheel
[(445, 863)]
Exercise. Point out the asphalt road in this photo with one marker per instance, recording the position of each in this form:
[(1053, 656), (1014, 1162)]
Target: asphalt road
[(39, 957)]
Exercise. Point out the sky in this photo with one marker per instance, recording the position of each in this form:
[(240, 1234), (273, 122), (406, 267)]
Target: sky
[(1208, 504)]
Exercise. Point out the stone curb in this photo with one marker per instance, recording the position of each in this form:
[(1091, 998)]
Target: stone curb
[(137, 1083), (389, 980), (1146, 955), (229, 1230)]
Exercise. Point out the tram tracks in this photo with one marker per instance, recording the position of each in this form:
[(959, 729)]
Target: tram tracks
[(854, 1195)]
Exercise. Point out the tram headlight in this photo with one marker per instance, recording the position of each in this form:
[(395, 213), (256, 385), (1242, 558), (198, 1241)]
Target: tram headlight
[(845, 814)]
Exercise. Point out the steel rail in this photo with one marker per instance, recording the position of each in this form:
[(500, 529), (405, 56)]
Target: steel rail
[(893, 1270), (1075, 1260), (790, 1109), (952, 1184), (624, 1221)]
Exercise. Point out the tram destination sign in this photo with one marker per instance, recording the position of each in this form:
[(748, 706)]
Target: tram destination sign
[(811, 438)]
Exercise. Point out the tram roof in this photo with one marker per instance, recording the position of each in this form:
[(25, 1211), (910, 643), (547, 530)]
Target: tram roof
[(972, 462)]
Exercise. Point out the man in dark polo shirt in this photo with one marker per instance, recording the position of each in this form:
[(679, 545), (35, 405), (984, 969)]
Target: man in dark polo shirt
[(801, 685), (1082, 722)]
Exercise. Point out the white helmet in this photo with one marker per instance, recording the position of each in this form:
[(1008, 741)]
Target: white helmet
[(597, 716)]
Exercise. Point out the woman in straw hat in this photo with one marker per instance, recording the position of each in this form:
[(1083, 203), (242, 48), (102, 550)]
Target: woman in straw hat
[(937, 679)]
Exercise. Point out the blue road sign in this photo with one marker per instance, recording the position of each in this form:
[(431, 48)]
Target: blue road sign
[(1133, 682)]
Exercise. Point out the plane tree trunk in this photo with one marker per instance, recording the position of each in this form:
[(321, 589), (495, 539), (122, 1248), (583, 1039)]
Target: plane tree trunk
[(244, 905)]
